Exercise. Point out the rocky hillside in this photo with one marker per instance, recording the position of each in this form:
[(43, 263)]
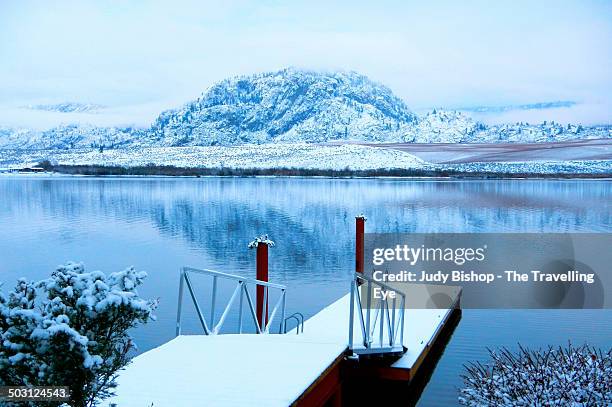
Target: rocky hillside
[(289, 105)]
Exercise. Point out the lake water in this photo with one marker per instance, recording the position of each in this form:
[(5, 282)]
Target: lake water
[(160, 224)]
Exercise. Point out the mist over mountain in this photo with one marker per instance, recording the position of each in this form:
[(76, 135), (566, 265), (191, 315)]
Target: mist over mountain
[(67, 107), (527, 106), (293, 105)]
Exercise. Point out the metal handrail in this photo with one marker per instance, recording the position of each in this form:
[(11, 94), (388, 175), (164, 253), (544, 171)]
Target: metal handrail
[(387, 317), (299, 318), (240, 291), (235, 277)]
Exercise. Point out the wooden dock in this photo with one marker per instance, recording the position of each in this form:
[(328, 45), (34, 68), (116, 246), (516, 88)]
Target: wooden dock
[(306, 369)]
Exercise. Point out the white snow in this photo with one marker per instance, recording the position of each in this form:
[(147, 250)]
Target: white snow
[(261, 239), (225, 370)]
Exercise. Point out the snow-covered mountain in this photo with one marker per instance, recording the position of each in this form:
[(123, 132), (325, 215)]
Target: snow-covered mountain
[(295, 105), (289, 105)]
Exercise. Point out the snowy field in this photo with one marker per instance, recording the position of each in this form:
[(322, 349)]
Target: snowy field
[(294, 155), (311, 156)]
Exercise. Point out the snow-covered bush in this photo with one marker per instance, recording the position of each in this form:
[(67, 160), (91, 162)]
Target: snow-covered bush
[(572, 376), (71, 330)]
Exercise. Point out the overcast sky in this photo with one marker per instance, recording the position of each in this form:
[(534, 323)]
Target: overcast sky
[(143, 57)]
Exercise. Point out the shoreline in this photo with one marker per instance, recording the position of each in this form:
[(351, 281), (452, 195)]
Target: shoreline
[(395, 173)]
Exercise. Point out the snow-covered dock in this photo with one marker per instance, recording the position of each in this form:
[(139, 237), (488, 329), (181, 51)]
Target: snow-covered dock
[(265, 370), (225, 370)]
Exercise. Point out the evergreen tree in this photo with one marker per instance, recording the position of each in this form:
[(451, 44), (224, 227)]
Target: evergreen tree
[(71, 330)]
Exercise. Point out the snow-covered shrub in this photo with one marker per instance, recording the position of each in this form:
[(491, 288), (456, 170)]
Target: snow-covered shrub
[(71, 330), (572, 376)]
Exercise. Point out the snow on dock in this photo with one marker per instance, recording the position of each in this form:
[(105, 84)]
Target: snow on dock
[(261, 370), (225, 370)]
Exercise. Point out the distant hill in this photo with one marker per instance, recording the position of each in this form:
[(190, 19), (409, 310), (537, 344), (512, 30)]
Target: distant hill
[(70, 136)]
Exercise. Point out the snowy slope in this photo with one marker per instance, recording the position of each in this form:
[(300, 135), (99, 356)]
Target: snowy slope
[(289, 105), (443, 126), (288, 155), (68, 137), (285, 155)]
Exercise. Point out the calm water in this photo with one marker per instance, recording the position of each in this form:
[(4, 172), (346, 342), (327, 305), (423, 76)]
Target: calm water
[(160, 224)]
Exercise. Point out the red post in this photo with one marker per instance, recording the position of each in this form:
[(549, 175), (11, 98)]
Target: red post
[(359, 237), (261, 244), (262, 275)]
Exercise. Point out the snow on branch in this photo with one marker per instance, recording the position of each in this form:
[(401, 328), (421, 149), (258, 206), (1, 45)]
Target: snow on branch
[(576, 376), (71, 329)]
